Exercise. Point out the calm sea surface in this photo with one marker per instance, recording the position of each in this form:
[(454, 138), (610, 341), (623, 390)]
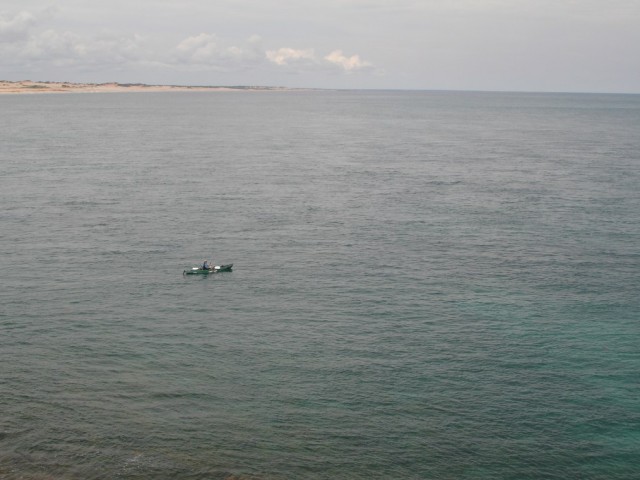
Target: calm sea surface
[(426, 286)]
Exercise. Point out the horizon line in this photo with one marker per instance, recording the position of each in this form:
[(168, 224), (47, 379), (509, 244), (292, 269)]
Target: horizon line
[(68, 84)]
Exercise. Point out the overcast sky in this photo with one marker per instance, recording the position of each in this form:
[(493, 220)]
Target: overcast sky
[(519, 45)]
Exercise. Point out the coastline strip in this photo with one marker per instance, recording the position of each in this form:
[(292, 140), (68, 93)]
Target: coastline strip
[(31, 87)]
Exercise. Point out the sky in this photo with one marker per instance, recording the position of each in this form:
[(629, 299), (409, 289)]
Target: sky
[(489, 45)]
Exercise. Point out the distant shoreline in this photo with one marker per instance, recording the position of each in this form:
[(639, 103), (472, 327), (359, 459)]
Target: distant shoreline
[(8, 87), (31, 87)]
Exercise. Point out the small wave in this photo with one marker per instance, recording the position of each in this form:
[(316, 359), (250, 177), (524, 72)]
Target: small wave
[(89, 203), (444, 183), (177, 395)]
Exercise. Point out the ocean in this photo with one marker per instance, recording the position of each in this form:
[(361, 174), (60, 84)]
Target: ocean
[(426, 285)]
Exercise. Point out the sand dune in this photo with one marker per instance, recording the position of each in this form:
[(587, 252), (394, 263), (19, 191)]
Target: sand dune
[(28, 86)]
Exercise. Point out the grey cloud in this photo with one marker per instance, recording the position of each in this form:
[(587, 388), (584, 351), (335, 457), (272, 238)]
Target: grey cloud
[(16, 28), (589, 45), (205, 51), (69, 49), (208, 50)]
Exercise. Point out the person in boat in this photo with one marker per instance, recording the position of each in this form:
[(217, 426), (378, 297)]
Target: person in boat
[(205, 265)]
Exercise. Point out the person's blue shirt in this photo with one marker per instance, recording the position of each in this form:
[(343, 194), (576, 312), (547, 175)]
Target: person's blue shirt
[(205, 266)]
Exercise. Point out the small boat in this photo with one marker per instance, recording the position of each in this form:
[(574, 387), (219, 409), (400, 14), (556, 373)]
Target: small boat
[(205, 271)]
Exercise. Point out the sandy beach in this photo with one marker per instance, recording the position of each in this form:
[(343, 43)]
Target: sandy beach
[(30, 87)]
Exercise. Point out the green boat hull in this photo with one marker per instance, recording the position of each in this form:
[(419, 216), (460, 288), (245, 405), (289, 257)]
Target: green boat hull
[(202, 271)]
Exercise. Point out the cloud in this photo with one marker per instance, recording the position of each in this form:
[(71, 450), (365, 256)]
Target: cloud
[(28, 39), (348, 64), (24, 43), (99, 51), (199, 48), (51, 47), (16, 28), (207, 50), (285, 56)]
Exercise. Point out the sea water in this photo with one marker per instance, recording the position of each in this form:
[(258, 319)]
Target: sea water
[(426, 285)]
